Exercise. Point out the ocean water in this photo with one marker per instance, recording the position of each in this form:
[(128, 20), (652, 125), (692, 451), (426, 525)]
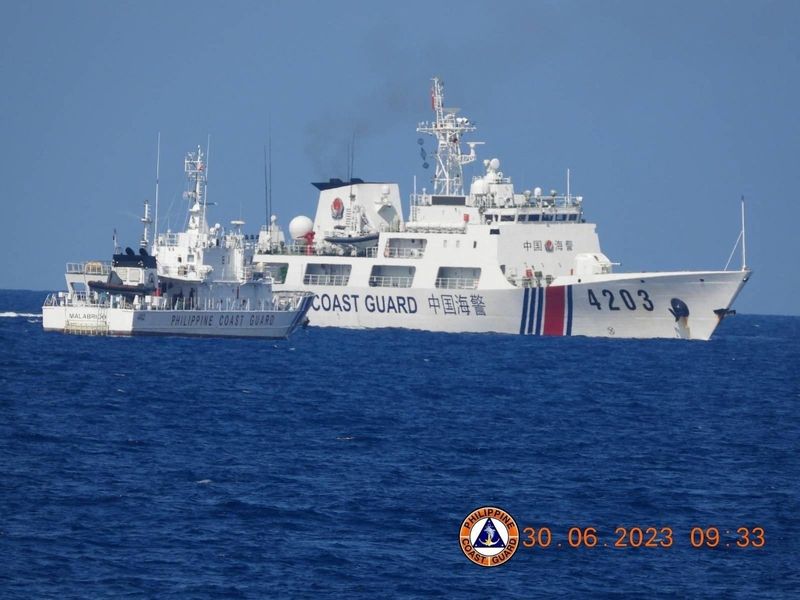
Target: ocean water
[(341, 463)]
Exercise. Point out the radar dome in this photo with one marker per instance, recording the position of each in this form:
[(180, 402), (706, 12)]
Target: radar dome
[(479, 187), (300, 226), (494, 164)]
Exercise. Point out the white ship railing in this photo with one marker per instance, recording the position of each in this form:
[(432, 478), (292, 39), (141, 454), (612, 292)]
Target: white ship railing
[(390, 252), (385, 281), (186, 271), (321, 279), (92, 267), (456, 283), (283, 300)]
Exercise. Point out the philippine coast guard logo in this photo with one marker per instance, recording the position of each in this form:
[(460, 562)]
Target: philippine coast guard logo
[(337, 208), (489, 536)]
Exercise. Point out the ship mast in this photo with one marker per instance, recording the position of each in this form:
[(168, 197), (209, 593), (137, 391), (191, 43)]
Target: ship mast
[(146, 221), (448, 130), (195, 170)]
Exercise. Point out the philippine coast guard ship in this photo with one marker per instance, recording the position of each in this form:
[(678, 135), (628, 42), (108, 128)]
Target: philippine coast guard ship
[(195, 282), (492, 259)]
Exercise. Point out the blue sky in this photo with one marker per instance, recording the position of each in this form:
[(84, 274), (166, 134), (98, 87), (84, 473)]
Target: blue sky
[(666, 113)]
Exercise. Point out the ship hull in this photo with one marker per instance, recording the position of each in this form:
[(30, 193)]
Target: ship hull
[(96, 320), (684, 305)]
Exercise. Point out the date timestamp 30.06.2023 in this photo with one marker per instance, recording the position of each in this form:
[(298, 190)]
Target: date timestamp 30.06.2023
[(644, 537)]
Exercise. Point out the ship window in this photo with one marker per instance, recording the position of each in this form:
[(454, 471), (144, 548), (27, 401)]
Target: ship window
[(326, 274), (475, 244), (277, 271), (533, 217), (507, 217), (561, 217), (547, 217), (465, 278), (405, 248), (573, 217), (391, 276)]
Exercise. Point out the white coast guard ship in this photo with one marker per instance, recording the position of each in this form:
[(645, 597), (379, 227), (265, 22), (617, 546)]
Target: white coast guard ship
[(195, 282), (492, 259)]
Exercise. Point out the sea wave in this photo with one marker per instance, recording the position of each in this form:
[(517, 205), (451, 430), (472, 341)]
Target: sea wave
[(13, 315)]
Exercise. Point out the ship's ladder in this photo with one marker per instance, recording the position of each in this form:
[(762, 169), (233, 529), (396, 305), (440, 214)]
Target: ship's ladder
[(95, 326)]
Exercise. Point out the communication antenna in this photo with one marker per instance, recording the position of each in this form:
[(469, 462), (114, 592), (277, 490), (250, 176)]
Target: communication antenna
[(568, 184), (266, 186), (448, 129), (744, 246), (208, 158), (736, 245), (158, 165), (351, 156)]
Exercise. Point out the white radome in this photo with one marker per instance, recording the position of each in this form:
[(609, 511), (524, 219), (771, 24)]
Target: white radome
[(300, 226)]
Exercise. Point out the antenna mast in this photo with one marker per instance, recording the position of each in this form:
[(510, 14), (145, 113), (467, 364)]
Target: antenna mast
[(744, 246), (448, 130), (195, 170), (158, 165), (146, 220)]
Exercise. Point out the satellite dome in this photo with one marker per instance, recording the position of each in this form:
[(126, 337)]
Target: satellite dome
[(494, 164), (479, 187), (300, 226)]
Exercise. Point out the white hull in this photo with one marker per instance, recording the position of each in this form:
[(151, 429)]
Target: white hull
[(92, 319), (613, 305)]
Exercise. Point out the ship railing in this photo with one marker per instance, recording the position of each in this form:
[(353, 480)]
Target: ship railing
[(457, 283), (322, 279), (167, 239), (67, 299), (92, 267), (51, 300), (185, 271), (386, 281), (390, 252), (288, 300), (283, 300)]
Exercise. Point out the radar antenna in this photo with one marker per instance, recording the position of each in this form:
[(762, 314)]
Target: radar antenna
[(448, 130)]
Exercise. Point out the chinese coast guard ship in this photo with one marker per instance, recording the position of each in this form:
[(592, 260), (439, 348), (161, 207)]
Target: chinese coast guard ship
[(491, 260), (195, 282)]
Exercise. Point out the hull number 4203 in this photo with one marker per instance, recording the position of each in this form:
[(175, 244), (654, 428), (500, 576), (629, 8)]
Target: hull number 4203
[(610, 301)]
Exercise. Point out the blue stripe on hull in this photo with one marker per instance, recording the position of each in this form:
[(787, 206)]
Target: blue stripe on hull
[(569, 310), (531, 312), (524, 312), (540, 302)]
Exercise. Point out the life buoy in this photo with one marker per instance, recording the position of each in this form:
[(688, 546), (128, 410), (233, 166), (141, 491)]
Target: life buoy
[(337, 208), (548, 245), (529, 273)]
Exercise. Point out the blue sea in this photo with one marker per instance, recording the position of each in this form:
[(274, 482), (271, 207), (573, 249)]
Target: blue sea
[(342, 463)]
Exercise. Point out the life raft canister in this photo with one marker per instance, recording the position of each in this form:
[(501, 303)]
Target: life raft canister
[(337, 208)]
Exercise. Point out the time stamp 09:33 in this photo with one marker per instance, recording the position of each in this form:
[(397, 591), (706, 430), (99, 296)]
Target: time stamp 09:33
[(644, 537)]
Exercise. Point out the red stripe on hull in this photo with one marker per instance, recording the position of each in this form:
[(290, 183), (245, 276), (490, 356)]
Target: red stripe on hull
[(554, 311)]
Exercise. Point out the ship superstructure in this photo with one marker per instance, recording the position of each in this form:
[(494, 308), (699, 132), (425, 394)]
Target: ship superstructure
[(487, 259), (198, 281)]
